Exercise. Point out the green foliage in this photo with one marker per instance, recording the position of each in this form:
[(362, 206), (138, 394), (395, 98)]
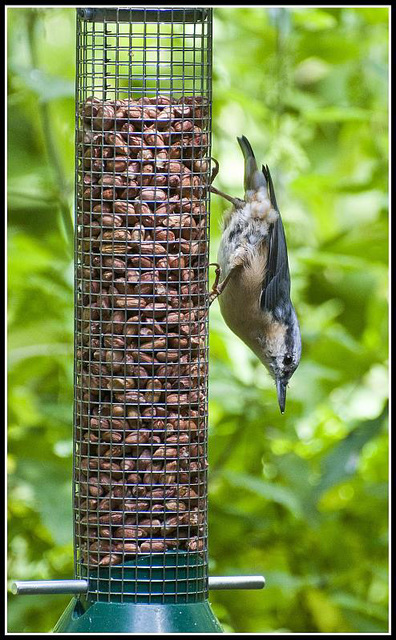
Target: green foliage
[(301, 498)]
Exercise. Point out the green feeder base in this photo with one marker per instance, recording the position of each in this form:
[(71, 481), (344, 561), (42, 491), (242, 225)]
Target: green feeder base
[(148, 587), (116, 617)]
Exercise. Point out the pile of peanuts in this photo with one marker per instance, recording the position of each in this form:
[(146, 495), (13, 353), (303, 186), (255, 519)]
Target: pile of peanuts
[(141, 332)]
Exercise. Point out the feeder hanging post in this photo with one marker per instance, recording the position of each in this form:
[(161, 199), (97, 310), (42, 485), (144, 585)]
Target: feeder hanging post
[(143, 120)]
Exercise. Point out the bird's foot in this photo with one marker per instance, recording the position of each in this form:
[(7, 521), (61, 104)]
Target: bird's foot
[(237, 202), (216, 288), (215, 170)]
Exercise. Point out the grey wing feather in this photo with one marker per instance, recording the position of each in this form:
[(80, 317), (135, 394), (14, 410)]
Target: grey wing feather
[(276, 285), (268, 178)]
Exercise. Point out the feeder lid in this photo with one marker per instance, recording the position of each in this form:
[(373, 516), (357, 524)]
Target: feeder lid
[(136, 14)]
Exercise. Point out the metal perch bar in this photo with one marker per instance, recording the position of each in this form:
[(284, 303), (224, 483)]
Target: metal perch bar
[(215, 583)]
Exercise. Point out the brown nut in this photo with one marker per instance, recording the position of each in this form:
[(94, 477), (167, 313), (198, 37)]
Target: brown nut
[(104, 118)]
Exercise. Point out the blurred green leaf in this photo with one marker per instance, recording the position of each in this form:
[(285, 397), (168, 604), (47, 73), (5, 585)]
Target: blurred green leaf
[(46, 87), (313, 19), (342, 461), (346, 601), (267, 490), (52, 495), (337, 114)]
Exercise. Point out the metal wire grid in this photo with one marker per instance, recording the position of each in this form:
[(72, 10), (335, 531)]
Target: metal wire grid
[(143, 135)]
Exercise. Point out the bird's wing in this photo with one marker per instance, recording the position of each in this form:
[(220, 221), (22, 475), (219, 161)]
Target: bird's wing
[(267, 176), (276, 284)]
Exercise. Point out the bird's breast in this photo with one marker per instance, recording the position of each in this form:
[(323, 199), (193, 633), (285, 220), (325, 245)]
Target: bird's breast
[(240, 299), (243, 255)]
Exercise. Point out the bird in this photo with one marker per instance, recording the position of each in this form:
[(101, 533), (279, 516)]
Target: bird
[(252, 280)]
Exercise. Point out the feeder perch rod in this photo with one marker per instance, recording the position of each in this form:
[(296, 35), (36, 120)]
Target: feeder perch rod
[(36, 587)]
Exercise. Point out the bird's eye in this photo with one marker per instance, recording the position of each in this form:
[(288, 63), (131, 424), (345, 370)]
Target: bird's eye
[(287, 360)]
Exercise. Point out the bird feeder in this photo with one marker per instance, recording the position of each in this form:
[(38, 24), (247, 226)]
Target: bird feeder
[(143, 139)]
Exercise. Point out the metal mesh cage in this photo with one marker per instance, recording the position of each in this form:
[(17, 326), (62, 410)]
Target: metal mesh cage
[(143, 125)]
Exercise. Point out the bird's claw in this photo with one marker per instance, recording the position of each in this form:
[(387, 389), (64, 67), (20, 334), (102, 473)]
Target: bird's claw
[(216, 290), (213, 295), (237, 202), (215, 170)]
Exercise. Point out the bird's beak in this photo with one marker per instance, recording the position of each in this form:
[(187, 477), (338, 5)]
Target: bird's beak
[(281, 391)]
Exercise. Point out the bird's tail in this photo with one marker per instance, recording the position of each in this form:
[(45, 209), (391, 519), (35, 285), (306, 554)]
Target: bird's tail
[(254, 179)]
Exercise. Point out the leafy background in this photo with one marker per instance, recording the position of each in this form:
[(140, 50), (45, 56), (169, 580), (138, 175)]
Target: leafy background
[(301, 498)]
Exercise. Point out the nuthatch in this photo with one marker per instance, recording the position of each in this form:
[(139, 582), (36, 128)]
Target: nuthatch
[(253, 264)]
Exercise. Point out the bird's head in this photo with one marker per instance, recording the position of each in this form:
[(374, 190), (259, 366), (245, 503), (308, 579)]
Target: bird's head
[(280, 350)]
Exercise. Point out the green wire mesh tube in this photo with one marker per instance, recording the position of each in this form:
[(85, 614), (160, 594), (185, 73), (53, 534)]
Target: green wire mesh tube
[(143, 125)]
